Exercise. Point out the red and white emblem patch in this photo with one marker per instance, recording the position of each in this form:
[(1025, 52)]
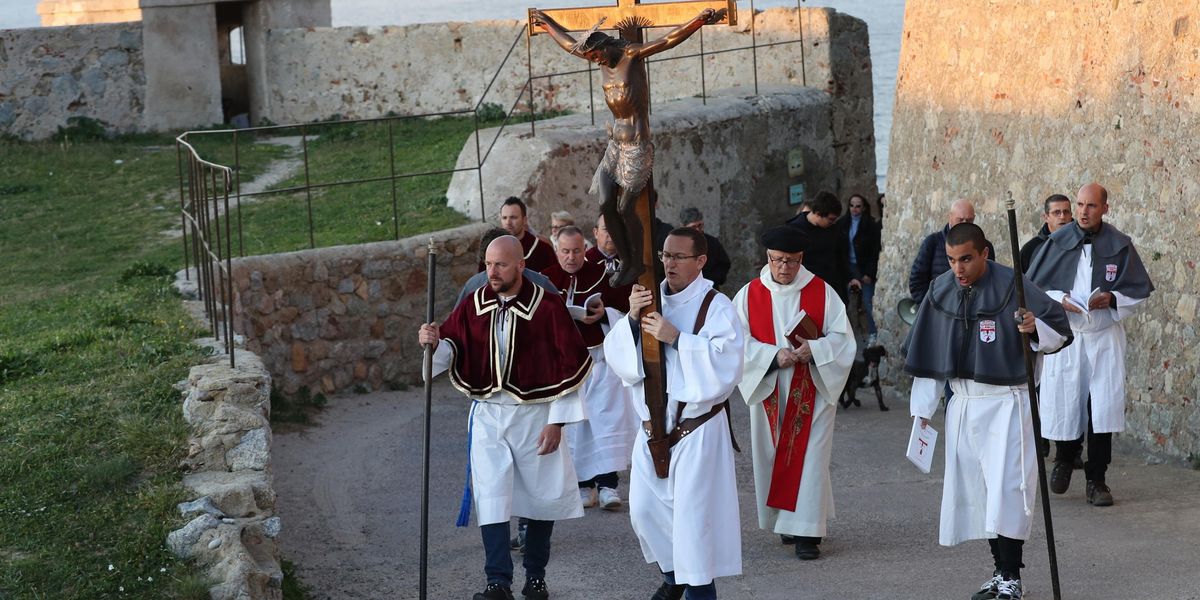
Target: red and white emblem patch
[(1110, 272), (987, 331)]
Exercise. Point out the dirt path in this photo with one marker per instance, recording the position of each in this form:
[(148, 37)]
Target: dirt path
[(349, 493)]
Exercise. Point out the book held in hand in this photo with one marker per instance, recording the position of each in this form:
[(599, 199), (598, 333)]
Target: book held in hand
[(921, 443), (589, 305), (802, 327)]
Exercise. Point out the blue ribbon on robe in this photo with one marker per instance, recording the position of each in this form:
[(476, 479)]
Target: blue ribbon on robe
[(464, 509)]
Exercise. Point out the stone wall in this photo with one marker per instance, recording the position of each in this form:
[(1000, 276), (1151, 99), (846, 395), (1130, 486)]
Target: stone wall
[(48, 75), (728, 157), (358, 72), (1038, 98), (332, 319), (232, 528)]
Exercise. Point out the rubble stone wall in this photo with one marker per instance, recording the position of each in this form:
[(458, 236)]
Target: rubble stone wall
[(332, 319), (50, 74), (1041, 98)]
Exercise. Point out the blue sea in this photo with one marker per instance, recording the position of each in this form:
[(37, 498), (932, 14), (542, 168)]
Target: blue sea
[(885, 21)]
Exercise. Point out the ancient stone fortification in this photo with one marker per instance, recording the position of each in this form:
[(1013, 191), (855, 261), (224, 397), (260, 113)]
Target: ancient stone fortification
[(49, 75), (331, 319), (366, 72), (1041, 98), (298, 70), (728, 157)]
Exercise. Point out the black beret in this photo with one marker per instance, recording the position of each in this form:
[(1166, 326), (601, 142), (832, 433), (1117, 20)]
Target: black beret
[(785, 238)]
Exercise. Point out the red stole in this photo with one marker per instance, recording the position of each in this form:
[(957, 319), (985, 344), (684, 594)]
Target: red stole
[(791, 444)]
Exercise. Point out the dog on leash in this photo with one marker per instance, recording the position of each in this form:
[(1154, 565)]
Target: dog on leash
[(864, 373)]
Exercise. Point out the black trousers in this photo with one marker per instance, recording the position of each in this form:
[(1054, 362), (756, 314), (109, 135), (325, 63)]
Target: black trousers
[(1099, 451), (604, 480), (1006, 552)]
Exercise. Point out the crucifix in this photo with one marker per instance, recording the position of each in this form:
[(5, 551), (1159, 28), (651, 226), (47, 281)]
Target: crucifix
[(623, 178)]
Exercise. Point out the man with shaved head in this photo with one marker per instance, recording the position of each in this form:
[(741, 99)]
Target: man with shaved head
[(513, 349), (1095, 272), (931, 259)]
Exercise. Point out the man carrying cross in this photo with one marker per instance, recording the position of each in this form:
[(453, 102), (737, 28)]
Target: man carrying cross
[(629, 159)]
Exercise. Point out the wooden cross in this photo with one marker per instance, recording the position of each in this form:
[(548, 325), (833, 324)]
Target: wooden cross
[(660, 14)]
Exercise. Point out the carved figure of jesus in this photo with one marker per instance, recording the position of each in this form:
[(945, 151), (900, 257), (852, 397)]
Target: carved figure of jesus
[(629, 158)]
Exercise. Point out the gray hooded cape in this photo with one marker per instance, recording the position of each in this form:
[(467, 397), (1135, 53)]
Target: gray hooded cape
[(969, 332), (1116, 266)]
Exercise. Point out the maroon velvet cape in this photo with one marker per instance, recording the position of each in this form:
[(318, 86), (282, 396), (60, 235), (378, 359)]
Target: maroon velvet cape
[(546, 356), (589, 279), (539, 255)]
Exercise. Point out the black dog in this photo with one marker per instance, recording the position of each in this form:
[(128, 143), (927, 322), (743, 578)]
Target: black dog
[(864, 373)]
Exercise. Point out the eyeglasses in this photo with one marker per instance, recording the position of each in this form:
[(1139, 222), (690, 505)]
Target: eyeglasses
[(665, 257), (1060, 213), (784, 262)]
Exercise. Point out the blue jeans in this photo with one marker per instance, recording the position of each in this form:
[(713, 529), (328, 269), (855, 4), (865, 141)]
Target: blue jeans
[(867, 294), (498, 563), (694, 592)]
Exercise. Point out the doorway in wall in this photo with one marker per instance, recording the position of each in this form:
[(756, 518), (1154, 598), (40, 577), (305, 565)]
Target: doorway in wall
[(231, 45)]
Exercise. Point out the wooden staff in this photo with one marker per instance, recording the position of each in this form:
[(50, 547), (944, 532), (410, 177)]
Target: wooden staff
[(428, 370), (1033, 398)]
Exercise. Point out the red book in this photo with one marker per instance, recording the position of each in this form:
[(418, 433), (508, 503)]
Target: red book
[(802, 327)]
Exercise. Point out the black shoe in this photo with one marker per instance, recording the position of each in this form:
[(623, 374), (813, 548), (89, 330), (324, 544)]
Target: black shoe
[(1078, 462), (1098, 494), (806, 550), (668, 591), (1060, 478), (494, 591), (535, 587), (518, 542), (787, 540), (1043, 446), (989, 589)]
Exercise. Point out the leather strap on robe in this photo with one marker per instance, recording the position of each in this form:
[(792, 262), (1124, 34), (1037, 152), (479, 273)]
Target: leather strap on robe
[(797, 418)]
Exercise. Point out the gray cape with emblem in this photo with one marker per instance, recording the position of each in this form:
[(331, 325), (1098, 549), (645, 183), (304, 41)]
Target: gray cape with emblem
[(970, 333), (1116, 266)]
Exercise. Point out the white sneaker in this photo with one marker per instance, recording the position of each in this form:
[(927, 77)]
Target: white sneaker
[(609, 499), (588, 497), (1009, 589)]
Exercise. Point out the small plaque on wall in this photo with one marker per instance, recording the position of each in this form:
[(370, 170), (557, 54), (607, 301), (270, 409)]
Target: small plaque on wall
[(796, 193)]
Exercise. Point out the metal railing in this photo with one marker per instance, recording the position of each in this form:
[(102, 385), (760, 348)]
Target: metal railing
[(204, 212), (200, 200)]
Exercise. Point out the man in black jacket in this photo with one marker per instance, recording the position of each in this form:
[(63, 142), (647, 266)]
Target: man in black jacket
[(931, 259), (1056, 212), (828, 254), (863, 237), (716, 269)]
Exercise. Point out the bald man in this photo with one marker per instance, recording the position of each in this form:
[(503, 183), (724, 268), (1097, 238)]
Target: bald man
[(931, 259), (514, 350), (1095, 272)]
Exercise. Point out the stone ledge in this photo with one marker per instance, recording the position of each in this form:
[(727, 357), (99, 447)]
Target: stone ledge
[(233, 536)]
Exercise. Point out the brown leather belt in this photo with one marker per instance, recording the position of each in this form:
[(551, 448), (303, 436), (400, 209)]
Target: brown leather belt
[(686, 426)]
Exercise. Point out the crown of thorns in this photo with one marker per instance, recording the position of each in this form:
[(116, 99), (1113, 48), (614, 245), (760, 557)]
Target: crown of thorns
[(595, 38)]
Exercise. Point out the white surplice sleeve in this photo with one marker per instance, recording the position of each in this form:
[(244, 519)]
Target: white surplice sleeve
[(833, 353), (758, 379), (621, 351), (441, 359), (710, 362), (923, 401), (568, 408)]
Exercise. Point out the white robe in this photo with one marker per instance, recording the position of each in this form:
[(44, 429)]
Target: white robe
[(833, 356), (603, 442), (1093, 364), (703, 540), (991, 478), (508, 477)]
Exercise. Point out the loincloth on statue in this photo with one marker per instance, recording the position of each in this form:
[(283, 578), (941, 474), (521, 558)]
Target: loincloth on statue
[(629, 164)]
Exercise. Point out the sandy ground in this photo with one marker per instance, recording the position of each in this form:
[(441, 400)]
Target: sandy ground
[(349, 495)]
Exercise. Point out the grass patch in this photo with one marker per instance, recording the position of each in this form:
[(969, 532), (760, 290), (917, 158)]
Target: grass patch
[(92, 338), (361, 212)]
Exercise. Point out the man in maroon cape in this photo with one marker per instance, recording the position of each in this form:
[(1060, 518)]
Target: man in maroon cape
[(513, 348), (602, 444)]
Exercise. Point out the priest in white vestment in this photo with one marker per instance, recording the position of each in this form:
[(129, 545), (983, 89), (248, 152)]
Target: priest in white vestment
[(792, 390), (702, 539)]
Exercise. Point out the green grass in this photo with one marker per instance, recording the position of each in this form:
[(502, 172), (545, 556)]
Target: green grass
[(361, 212)]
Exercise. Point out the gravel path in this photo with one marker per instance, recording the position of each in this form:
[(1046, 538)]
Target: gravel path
[(349, 496)]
